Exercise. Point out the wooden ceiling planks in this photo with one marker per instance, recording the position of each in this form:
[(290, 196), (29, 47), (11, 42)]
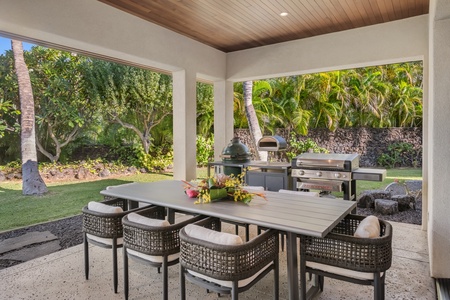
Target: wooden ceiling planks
[(241, 24)]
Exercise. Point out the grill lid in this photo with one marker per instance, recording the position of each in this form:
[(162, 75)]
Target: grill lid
[(236, 151), (272, 143), (325, 161)]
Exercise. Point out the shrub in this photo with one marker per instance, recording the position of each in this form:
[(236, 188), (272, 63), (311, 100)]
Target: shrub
[(205, 150), (400, 155), (298, 146), (156, 160)]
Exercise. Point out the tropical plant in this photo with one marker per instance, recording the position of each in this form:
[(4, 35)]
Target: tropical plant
[(399, 154), (298, 146), (156, 160), (205, 109), (205, 150)]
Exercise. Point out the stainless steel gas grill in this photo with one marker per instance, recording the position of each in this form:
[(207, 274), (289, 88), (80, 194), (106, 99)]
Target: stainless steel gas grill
[(331, 173)]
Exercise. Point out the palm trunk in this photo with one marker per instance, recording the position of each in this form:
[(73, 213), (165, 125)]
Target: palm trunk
[(32, 183), (253, 124)]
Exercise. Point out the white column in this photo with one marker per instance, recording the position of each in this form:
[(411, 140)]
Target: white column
[(184, 125), (223, 116), (439, 139)]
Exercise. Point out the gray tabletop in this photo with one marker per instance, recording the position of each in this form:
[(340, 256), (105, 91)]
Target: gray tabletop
[(297, 214)]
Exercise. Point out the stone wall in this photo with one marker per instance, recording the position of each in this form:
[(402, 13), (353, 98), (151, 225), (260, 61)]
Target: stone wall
[(370, 143)]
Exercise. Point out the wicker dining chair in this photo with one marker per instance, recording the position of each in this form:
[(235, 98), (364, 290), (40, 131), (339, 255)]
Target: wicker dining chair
[(343, 256), (102, 226), (226, 268), (150, 240)]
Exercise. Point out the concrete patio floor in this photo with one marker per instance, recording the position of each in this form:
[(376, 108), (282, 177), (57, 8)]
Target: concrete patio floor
[(60, 275)]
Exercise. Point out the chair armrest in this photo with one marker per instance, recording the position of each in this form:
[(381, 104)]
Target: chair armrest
[(153, 240), (341, 249), (106, 225), (228, 262)]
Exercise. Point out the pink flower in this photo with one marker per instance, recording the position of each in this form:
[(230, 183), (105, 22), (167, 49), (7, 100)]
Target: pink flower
[(191, 193)]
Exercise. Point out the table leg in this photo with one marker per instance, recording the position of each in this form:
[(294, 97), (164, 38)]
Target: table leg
[(171, 215), (292, 265)]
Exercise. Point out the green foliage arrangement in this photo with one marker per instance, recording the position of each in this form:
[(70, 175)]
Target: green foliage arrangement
[(399, 155), (156, 160), (301, 146), (205, 150)]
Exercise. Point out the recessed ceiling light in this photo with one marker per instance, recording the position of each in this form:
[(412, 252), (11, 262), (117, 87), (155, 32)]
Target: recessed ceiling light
[(283, 14)]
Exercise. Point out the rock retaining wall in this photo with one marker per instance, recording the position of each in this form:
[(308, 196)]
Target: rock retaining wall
[(370, 143)]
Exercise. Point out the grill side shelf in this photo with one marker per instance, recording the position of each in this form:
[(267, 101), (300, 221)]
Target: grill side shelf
[(367, 174)]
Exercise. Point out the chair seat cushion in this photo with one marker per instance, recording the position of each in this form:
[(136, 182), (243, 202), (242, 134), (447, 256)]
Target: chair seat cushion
[(137, 218), (216, 237), (229, 284), (153, 258), (368, 228), (103, 208), (341, 271), (105, 241), (313, 194)]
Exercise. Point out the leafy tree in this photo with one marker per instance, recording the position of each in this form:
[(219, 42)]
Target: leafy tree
[(32, 182), (63, 107), (137, 99), (9, 110), (8, 120)]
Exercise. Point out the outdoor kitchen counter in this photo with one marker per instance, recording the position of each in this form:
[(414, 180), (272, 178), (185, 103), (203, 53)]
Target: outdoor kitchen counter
[(294, 214)]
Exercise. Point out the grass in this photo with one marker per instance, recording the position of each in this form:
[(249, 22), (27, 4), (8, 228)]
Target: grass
[(392, 174), (66, 199)]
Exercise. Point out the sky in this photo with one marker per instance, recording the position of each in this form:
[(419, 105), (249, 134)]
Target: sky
[(5, 44)]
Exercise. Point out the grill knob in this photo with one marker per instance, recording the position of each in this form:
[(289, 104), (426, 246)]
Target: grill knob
[(319, 174), (337, 175)]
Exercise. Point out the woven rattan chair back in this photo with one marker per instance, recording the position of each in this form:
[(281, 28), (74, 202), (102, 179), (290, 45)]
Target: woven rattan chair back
[(106, 226), (229, 263), (342, 250), (155, 241)]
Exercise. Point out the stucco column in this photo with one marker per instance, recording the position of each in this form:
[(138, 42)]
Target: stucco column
[(439, 146), (184, 125), (223, 116)]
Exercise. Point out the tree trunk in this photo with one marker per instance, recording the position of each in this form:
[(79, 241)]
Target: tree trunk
[(32, 183), (253, 125)]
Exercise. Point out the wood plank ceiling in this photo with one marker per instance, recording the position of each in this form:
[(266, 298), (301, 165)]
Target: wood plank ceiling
[(231, 25)]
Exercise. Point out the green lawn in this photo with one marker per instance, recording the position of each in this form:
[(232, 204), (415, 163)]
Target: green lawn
[(392, 174), (64, 199), (67, 198)]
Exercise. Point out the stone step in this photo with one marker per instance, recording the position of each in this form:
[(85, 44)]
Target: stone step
[(33, 251), (30, 238)]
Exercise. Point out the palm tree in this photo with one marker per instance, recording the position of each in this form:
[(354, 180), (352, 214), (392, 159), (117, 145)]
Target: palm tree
[(32, 180), (288, 100), (253, 124)]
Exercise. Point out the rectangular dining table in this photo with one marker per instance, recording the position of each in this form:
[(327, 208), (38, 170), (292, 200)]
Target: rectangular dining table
[(293, 214)]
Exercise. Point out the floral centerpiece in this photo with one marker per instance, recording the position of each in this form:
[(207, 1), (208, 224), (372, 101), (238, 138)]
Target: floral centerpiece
[(220, 186)]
